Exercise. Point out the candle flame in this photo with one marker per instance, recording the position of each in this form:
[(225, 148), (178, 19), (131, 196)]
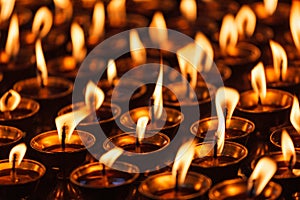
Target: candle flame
[(42, 22), (280, 60), (294, 23), (98, 22), (295, 114), (227, 98), (261, 175), (228, 34), (137, 49), (111, 156), (111, 71), (246, 21), (94, 96), (207, 51), (42, 74), (12, 44), (6, 10), (270, 6), (183, 159), (188, 9), (116, 10), (157, 95), (18, 150), (258, 81), (141, 127), (10, 101), (63, 10), (158, 29), (78, 43), (288, 149)]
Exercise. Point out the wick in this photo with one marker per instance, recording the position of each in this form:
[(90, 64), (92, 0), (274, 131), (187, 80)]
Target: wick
[(259, 101), (103, 170), (291, 163), (105, 180), (216, 148), (189, 78), (177, 182), (7, 115), (63, 138), (252, 189), (137, 145), (151, 104), (13, 170), (42, 84)]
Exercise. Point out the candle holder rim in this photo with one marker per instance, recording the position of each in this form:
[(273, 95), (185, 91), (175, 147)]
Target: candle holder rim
[(279, 131), (20, 134), (131, 180)]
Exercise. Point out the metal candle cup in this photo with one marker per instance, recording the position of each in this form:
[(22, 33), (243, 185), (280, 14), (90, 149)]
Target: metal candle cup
[(276, 107), (89, 179), (275, 137), (237, 189), (29, 173), (24, 17), (170, 126), (9, 137), (237, 129), (228, 164), (161, 186)]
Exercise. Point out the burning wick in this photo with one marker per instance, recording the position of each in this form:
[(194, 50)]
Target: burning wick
[(137, 145), (39, 72), (177, 182), (63, 138), (13, 170), (290, 166), (105, 180), (189, 78), (7, 114), (215, 155), (252, 190), (152, 115)]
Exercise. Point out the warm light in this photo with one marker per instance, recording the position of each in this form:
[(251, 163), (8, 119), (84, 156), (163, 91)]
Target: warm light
[(157, 95), (258, 81), (42, 22), (137, 49), (294, 23), (280, 61), (188, 9), (227, 98), (98, 22), (261, 175), (12, 44), (9, 101), (158, 29), (246, 21), (19, 151), (228, 34), (288, 149), (116, 10), (183, 159), (295, 114), (141, 127), (42, 74), (7, 6), (206, 51), (69, 121), (63, 10), (270, 6), (94, 96), (77, 36), (111, 156), (111, 71)]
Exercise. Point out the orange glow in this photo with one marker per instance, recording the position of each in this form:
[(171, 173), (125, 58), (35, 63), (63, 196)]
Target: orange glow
[(188, 9), (157, 95), (206, 51), (270, 6), (183, 159), (116, 10), (98, 22), (288, 149), (158, 29), (78, 43), (294, 23), (111, 71), (12, 44), (246, 21), (295, 114), (137, 49), (63, 10), (228, 34), (141, 127), (111, 156), (6, 9), (262, 174), (280, 61), (42, 22), (94, 96), (258, 81), (9, 101), (18, 150), (41, 64)]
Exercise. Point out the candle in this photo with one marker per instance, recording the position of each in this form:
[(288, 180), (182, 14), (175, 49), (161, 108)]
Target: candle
[(9, 137)]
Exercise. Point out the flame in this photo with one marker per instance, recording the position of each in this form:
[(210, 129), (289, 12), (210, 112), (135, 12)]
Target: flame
[(42, 22), (294, 23), (6, 9), (280, 60), (158, 29), (9, 101), (295, 114), (111, 71), (157, 95), (18, 150), (270, 6), (228, 34), (98, 22), (137, 49), (69, 121), (258, 80), (77, 36), (116, 10), (183, 160), (188, 8), (246, 21), (41, 64), (262, 173), (94, 96), (12, 44), (227, 98), (141, 127), (111, 156), (206, 50), (63, 9), (288, 149)]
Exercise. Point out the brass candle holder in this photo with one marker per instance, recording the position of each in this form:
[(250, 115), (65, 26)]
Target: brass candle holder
[(9, 137), (275, 137)]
